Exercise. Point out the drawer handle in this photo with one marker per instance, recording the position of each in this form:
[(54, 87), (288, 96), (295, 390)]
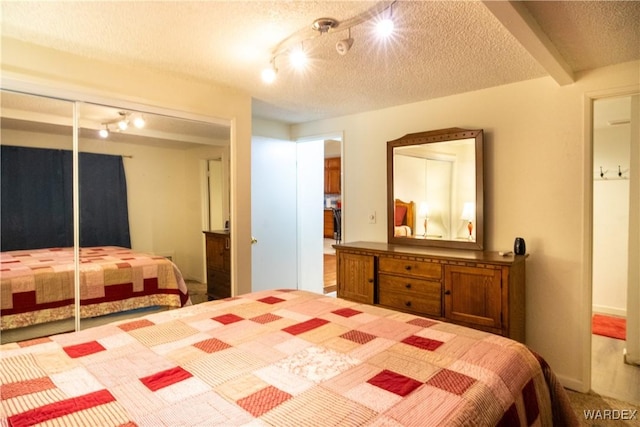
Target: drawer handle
[(370, 280), (408, 303), (447, 292), (407, 267), (408, 286)]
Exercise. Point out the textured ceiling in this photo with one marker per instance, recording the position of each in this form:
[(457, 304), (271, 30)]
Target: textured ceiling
[(440, 48)]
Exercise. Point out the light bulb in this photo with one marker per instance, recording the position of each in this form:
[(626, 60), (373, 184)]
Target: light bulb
[(139, 122), (123, 124), (104, 133), (385, 27), (298, 58), (269, 75)]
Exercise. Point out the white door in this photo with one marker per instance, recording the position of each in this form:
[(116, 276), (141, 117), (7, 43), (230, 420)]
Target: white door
[(273, 214)]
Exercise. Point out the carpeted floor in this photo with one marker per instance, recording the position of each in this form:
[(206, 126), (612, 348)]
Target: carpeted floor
[(197, 291), (590, 405)]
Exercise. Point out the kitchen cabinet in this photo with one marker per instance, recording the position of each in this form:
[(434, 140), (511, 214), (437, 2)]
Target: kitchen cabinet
[(332, 174)]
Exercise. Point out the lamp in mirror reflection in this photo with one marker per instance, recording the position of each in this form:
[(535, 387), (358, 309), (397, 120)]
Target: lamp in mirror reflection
[(423, 211), (469, 214)]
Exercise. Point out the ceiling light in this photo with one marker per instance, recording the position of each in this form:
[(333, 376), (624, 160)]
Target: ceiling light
[(104, 133), (269, 73), (343, 46), (292, 44), (139, 122), (298, 58), (123, 123)]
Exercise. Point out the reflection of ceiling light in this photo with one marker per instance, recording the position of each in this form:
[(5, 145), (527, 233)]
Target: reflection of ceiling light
[(139, 122), (122, 123), (104, 133)]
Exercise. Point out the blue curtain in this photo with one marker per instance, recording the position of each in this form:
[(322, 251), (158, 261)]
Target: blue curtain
[(36, 199)]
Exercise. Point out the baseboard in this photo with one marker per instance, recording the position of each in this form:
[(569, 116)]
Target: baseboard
[(612, 311), (573, 384)]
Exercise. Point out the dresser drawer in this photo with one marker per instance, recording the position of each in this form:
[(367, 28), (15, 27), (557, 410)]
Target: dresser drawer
[(422, 269), (420, 296)]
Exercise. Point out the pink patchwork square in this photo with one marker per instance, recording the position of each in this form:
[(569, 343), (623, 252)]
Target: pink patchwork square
[(451, 381), (226, 319), (358, 337), (263, 401), (395, 383), (346, 312)]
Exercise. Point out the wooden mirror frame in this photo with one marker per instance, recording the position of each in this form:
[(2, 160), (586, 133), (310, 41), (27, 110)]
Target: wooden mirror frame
[(432, 137)]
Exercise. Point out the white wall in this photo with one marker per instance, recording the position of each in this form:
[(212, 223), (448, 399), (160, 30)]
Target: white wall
[(611, 220), (36, 69), (536, 152)]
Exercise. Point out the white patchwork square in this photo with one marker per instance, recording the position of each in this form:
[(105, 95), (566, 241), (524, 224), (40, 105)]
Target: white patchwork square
[(373, 397), (183, 389), (76, 382), (283, 380), (317, 364)]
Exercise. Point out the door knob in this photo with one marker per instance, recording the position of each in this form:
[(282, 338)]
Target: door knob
[(253, 240)]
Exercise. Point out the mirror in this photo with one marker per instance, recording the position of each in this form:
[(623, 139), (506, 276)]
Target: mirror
[(435, 189)]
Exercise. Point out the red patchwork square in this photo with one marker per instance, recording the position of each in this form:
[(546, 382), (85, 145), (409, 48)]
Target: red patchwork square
[(211, 345), (263, 401), (395, 383), (165, 378), (358, 337), (265, 318), (423, 343), (451, 381), (226, 319), (271, 300), (346, 312), (300, 328), (136, 324), (83, 349)]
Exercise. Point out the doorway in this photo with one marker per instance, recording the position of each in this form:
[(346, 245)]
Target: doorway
[(613, 303)]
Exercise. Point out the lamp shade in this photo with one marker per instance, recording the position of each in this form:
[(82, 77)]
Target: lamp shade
[(423, 210), (468, 211)]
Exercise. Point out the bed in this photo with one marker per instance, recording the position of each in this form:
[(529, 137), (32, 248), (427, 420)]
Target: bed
[(278, 358), (37, 286), (404, 217)]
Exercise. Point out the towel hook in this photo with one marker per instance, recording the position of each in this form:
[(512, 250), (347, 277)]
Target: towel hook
[(601, 172), (619, 171)]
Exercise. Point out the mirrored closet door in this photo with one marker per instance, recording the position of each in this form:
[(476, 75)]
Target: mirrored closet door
[(143, 202)]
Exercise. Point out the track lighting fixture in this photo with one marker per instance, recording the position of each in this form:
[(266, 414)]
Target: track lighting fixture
[(104, 133), (381, 14), (343, 46)]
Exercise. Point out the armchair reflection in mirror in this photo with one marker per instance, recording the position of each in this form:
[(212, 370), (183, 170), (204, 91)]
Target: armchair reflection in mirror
[(440, 172)]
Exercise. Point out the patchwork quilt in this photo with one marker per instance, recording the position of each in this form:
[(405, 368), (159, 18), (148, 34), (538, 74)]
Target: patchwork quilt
[(274, 358), (37, 286)]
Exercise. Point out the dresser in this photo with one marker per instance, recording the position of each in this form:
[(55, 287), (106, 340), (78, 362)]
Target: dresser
[(218, 245), (479, 289)]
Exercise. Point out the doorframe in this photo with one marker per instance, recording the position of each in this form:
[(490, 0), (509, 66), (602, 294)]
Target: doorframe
[(337, 135), (587, 232)]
